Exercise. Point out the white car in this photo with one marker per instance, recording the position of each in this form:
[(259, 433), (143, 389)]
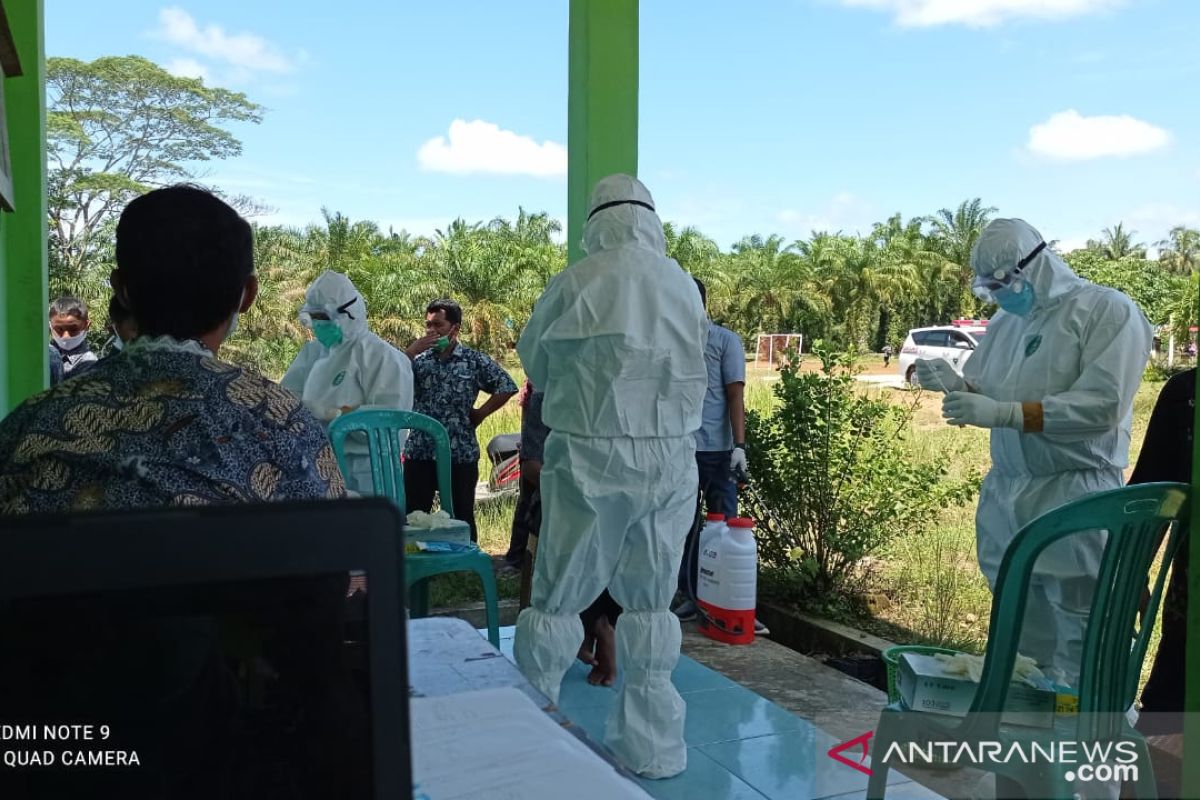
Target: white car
[(950, 342)]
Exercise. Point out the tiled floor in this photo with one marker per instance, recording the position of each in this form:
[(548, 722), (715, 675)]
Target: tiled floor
[(740, 746)]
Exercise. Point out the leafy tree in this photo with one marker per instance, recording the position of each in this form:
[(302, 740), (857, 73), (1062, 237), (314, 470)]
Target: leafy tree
[(117, 127), (1185, 307), (1153, 288)]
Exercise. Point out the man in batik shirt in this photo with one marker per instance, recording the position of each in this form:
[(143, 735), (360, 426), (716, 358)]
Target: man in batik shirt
[(447, 379), (165, 422)]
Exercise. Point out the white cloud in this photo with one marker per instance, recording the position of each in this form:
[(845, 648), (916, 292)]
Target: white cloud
[(1070, 136), (844, 212), (478, 146), (980, 13), (189, 68), (246, 51)]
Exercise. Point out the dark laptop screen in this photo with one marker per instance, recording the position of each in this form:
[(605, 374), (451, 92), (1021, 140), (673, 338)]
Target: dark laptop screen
[(238, 688), (226, 690)]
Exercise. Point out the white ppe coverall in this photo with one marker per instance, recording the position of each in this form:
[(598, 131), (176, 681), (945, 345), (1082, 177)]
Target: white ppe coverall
[(362, 371), (617, 342), (1079, 352)]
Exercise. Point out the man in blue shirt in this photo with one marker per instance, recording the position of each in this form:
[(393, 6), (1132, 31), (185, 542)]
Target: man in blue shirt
[(447, 379), (69, 325), (720, 442)]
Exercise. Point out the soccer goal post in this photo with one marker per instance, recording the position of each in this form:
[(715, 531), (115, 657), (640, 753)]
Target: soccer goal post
[(772, 348)]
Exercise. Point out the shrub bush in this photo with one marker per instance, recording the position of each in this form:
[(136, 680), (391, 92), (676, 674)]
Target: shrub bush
[(834, 481), (1158, 371)]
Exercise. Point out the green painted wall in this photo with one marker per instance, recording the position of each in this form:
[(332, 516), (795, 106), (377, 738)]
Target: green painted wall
[(602, 106), (23, 279)]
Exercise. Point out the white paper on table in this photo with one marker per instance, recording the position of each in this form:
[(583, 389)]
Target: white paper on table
[(496, 744)]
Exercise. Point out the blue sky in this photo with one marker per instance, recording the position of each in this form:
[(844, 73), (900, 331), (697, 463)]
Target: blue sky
[(778, 116)]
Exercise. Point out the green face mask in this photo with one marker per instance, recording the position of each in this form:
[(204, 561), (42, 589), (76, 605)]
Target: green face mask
[(327, 333)]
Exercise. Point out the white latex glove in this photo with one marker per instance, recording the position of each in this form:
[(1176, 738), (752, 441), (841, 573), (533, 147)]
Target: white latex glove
[(938, 375), (1024, 669), (967, 408), (737, 464)]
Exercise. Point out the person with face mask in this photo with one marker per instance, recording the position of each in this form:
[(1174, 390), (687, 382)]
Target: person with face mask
[(121, 325), (346, 367), (617, 344), (1054, 380), (69, 325), (449, 377)]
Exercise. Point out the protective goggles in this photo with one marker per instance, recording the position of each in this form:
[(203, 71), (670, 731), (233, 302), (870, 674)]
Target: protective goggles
[(307, 311), (613, 203), (985, 286)]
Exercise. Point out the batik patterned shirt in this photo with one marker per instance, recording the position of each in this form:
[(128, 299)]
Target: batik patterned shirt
[(156, 427), (446, 390)]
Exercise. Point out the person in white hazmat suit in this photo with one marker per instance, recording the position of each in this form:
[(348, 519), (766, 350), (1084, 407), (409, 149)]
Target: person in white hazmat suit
[(1054, 379), (617, 342), (346, 367)]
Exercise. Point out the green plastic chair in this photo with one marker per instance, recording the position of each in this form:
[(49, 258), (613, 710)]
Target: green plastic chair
[(1113, 651), (382, 430)]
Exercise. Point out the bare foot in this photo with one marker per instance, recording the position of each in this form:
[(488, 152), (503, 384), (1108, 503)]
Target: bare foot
[(586, 650), (604, 673)]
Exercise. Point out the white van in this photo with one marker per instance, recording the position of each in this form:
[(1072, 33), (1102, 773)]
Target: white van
[(953, 343)]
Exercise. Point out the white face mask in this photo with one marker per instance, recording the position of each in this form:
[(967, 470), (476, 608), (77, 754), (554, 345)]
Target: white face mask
[(69, 342), (118, 343), (233, 322)]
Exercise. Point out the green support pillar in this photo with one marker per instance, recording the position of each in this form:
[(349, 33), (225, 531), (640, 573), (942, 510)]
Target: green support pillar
[(23, 339), (1191, 719), (602, 106)]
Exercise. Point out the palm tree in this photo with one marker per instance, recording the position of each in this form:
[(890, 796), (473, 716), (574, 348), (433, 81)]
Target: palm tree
[(530, 244), (954, 234), (694, 251), (1117, 243), (269, 334), (342, 245), (472, 263), (776, 290), (1180, 251), (927, 285), (868, 279)]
